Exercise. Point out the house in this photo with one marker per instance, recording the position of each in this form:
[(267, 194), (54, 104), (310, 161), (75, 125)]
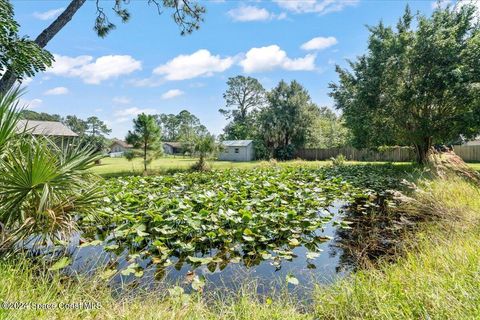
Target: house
[(237, 150), (118, 148), (53, 129), (173, 147)]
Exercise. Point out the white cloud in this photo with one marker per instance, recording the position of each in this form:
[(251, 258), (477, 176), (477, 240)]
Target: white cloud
[(48, 15), (94, 71), (29, 104), (172, 94), (56, 91), (319, 43), (315, 6), (131, 112), (199, 63), (147, 82), (121, 100), (272, 57), (441, 4), (252, 13), (476, 3)]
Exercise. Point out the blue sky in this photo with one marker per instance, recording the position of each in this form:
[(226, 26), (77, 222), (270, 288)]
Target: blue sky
[(146, 66)]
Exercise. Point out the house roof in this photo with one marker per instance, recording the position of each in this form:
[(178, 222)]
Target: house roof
[(236, 143), (174, 144), (45, 128), (121, 143)]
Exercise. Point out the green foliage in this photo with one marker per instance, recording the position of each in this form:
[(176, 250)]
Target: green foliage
[(338, 160), (244, 96), (18, 54), (9, 116), (237, 216), (145, 135), (203, 147), (327, 130), (417, 84), (184, 127), (187, 15), (285, 121), (43, 187), (42, 116), (80, 126)]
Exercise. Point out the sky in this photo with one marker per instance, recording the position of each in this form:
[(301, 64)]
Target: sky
[(145, 65)]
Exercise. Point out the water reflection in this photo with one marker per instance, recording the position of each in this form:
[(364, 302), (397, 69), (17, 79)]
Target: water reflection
[(226, 269)]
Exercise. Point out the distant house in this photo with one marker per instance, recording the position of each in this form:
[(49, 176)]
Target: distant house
[(53, 129), (237, 150), (118, 148), (173, 147)]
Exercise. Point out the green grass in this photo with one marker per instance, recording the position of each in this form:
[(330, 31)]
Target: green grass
[(475, 166), (120, 166)]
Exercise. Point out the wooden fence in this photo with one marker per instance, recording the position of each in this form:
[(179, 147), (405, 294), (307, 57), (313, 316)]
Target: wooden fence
[(396, 154), (468, 153)]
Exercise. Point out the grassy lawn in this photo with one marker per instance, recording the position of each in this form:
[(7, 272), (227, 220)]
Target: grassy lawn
[(112, 166), (121, 166), (475, 166)]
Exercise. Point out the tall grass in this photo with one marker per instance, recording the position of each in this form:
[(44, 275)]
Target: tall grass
[(23, 282), (437, 279)]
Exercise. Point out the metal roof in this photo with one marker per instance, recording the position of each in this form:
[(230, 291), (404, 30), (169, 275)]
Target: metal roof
[(174, 144), (236, 143), (121, 143), (45, 128)]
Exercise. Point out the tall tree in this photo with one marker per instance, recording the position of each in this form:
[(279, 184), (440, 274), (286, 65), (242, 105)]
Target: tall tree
[(94, 134), (244, 96), (169, 124), (183, 127), (77, 125), (96, 127), (284, 122), (28, 57), (417, 84), (145, 135)]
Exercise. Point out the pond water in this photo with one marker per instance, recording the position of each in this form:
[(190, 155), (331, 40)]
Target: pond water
[(268, 274)]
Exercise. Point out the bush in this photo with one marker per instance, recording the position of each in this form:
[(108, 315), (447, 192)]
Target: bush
[(338, 160), (43, 186)]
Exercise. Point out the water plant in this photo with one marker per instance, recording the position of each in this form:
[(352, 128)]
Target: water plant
[(230, 216)]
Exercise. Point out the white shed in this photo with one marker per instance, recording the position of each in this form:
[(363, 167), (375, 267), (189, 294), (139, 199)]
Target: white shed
[(237, 150), (118, 148)]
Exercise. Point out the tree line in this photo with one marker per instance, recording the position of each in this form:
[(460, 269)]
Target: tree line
[(280, 121)]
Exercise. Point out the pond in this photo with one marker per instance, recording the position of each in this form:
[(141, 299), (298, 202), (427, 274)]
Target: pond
[(268, 274), (218, 230)]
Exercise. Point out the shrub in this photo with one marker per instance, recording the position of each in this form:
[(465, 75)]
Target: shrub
[(338, 160)]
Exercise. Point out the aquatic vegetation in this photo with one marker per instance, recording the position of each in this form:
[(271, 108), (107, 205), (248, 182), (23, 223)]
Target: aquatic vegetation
[(231, 216)]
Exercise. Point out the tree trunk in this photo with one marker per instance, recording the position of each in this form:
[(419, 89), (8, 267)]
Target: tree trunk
[(9, 78), (422, 150), (145, 158), (7, 81)]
